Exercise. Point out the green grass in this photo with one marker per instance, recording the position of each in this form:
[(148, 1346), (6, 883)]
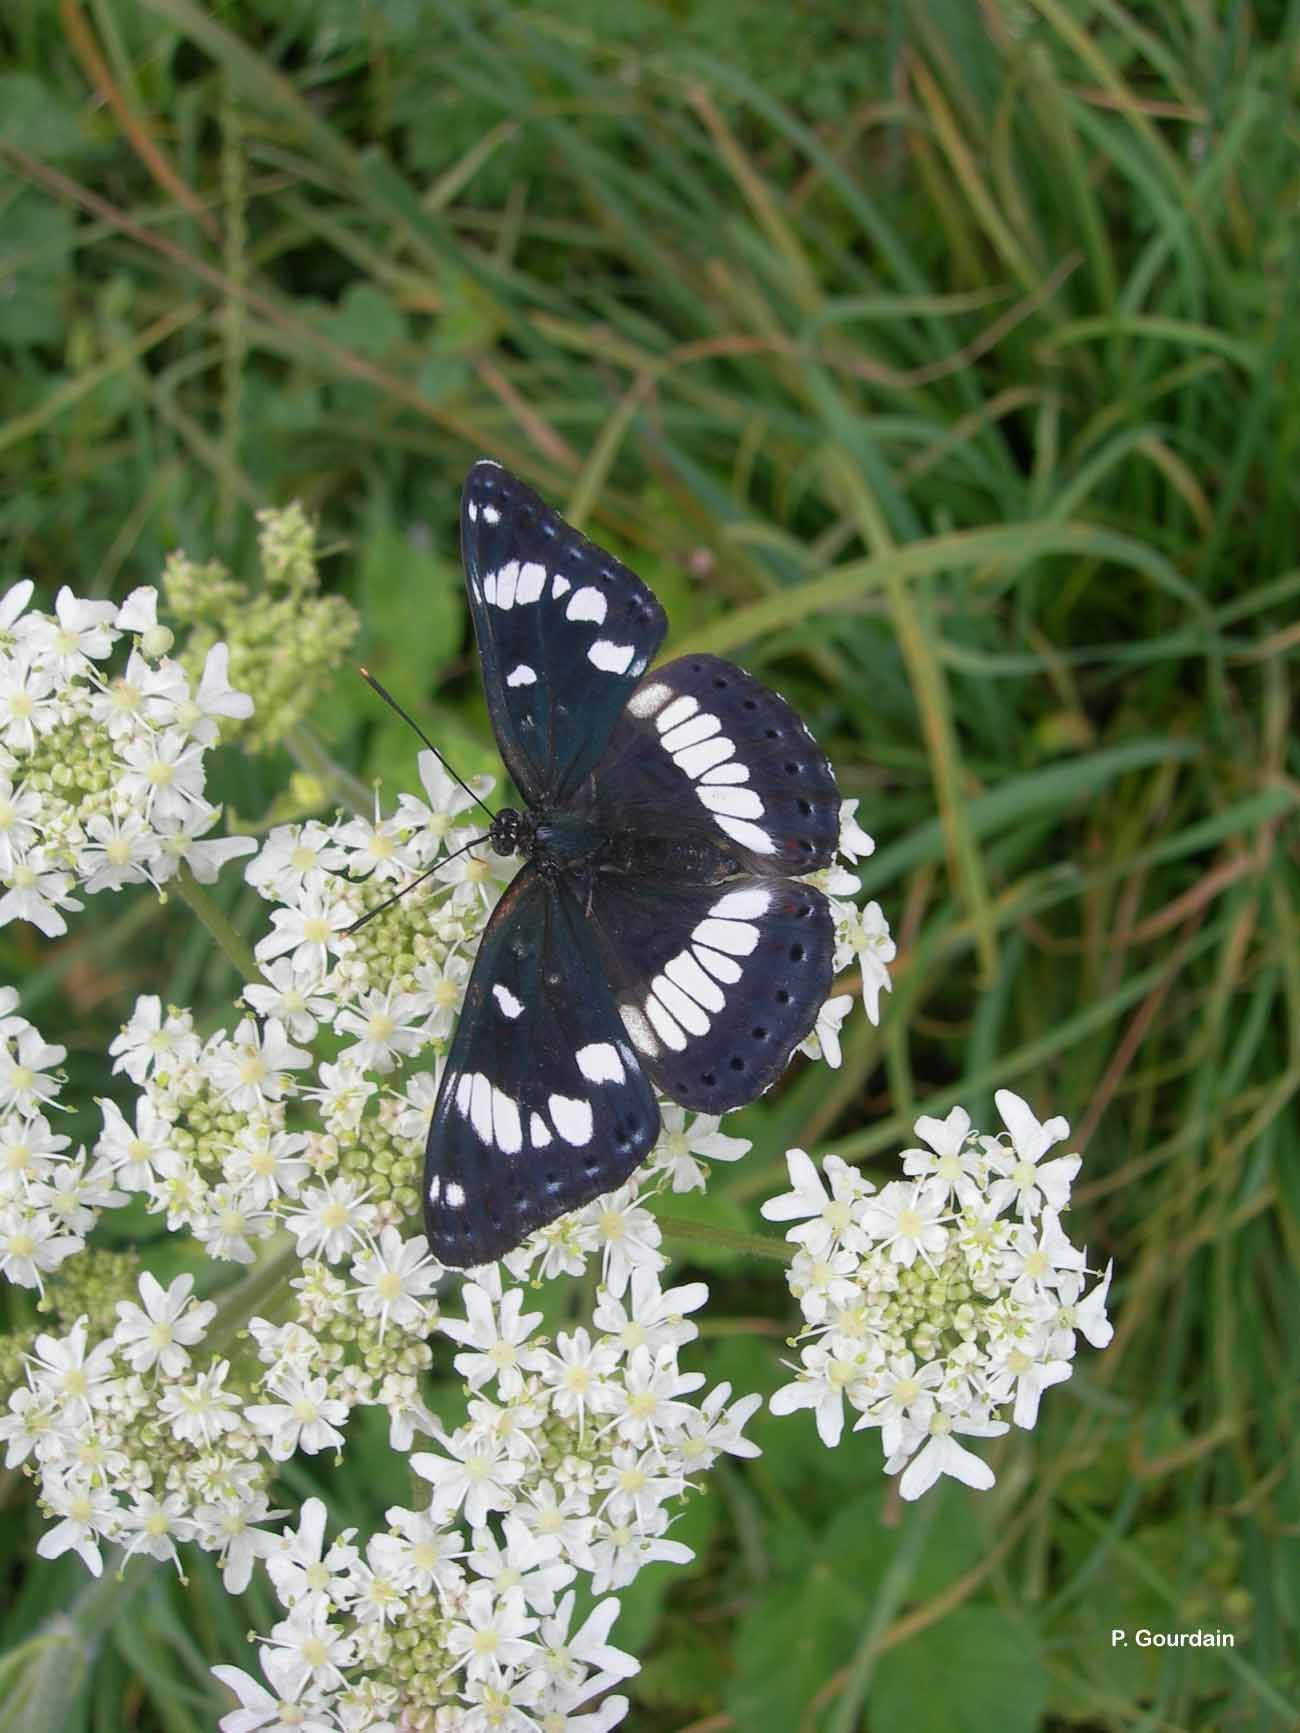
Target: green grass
[(952, 351)]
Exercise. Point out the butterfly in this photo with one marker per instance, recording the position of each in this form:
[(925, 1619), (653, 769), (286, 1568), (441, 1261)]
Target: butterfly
[(657, 936)]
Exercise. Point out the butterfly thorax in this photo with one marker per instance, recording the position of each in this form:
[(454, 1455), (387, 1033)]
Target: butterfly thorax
[(573, 842)]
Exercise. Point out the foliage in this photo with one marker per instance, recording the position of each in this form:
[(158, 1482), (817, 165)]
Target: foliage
[(936, 361)]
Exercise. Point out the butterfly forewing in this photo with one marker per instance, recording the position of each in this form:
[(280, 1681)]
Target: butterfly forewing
[(543, 1104), (716, 984), (705, 749), (564, 633)]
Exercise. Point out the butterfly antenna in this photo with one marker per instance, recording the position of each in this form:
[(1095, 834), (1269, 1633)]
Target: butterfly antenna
[(410, 721), (398, 895)]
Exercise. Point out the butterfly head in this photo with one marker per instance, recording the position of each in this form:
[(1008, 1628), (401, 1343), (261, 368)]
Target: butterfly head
[(511, 832)]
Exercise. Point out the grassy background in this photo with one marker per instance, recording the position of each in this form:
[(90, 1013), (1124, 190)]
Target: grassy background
[(938, 361)]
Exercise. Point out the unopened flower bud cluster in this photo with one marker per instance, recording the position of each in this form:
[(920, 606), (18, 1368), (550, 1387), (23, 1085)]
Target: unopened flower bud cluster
[(285, 638), (944, 1301)]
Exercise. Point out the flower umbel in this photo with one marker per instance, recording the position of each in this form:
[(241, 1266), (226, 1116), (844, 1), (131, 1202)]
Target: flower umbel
[(938, 1304)]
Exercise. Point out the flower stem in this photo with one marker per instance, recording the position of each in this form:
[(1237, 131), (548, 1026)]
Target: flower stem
[(726, 1239), (310, 755), (225, 934), (242, 1299), (891, 1594)]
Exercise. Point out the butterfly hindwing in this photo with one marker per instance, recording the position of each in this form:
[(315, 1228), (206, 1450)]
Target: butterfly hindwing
[(543, 1104), (716, 984), (704, 748), (564, 633)]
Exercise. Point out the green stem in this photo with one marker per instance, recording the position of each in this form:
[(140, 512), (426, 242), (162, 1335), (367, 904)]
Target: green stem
[(42, 1679), (726, 1239), (226, 935), (897, 1580), (310, 755), (248, 1296)]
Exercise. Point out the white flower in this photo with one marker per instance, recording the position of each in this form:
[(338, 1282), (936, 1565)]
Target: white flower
[(149, 1042), (497, 1340), (79, 632), (833, 1213), (942, 1454), (308, 1576), (873, 946), (622, 1549), (1028, 1179), (577, 1375), (422, 1556), (930, 1324), (443, 987), (391, 1277), (36, 891), (389, 1025), (476, 1473), (293, 854), (22, 812), (343, 1093), (312, 928), (89, 1513), (645, 1400), (122, 850), (331, 1219), (164, 776), (854, 843), (155, 1524), (31, 1246), (169, 1324), (492, 1632), (824, 1042), (12, 604), (215, 697), (136, 1155), (908, 1219), (653, 1318), (61, 1366), (248, 1071), (29, 703), (199, 1412), (521, 1559), (295, 996), (306, 1417), (679, 1144), (229, 1529), (230, 1222), (265, 1165), (295, 1705), (447, 800), (631, 1236), (29, 1151), (565, 1656), (311, 1650)]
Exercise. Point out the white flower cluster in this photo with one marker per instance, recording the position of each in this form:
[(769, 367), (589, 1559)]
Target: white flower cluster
[(943, 1300), (862, 938), (566, 1469), (49, 1198), (572, 1455), (101, 774)]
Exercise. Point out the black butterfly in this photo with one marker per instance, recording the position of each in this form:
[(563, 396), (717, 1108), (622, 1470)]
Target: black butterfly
[(656, 937)]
